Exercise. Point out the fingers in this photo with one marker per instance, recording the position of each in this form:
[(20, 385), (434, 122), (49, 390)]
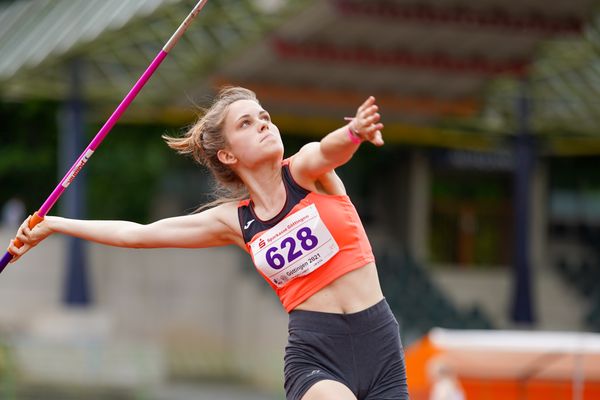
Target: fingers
[(14, 250), (25, 223), (378, 139), (24, 232), (372, 119), (366, 123), (368, 102), (373, 134), (17, 252), (24, 240), (25, 236), (368, 112), (366, 118)]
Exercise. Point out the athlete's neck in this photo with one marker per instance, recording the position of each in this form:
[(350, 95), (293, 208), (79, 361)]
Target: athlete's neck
[(266, 189)]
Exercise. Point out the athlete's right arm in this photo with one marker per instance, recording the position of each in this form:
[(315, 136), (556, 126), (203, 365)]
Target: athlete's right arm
[(217, 226)]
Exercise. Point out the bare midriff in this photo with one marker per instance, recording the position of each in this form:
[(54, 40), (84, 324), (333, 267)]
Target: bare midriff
[(352, 292)]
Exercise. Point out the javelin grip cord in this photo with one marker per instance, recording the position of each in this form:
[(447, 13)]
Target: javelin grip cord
[(103, 132)]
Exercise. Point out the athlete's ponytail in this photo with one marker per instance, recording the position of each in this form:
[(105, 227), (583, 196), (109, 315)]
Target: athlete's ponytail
[(205, 138)]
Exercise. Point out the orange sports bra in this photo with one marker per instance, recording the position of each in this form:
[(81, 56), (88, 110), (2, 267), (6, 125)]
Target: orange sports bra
[(311, 242)]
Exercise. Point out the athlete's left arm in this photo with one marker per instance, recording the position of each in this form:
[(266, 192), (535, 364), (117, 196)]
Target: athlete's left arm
[(337, 148)]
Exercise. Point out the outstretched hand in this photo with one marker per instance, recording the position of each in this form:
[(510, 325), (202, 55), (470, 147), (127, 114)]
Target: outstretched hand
[(28, 237), (366, 124)]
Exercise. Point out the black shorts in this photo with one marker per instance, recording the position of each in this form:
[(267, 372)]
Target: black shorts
[(361, 350)]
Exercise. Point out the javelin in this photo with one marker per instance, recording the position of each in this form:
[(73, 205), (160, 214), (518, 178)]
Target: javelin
[(39, 215)]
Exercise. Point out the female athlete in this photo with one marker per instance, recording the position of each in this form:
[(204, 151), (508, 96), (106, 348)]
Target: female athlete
[(304, 236)]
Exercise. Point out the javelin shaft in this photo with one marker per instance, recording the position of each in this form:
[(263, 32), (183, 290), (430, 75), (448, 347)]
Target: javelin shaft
[(102, 133), (108, 125)]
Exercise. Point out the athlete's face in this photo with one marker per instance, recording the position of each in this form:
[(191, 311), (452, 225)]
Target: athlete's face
[(250, 133)]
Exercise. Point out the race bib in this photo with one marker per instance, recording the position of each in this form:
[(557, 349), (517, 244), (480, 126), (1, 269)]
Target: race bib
[(296, 246)]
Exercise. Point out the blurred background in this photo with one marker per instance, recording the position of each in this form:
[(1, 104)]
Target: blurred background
[(483, 207)]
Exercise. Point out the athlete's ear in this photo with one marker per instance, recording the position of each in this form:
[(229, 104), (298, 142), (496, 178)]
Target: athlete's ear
[(226, 157)]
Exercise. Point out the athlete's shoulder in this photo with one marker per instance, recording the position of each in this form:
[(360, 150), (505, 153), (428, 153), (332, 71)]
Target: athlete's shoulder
[(298, 165), (326, 183), (228, 209), (227, 214)]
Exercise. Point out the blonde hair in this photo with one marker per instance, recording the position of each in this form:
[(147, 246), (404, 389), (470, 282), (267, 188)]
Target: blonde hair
[(206, 137)]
